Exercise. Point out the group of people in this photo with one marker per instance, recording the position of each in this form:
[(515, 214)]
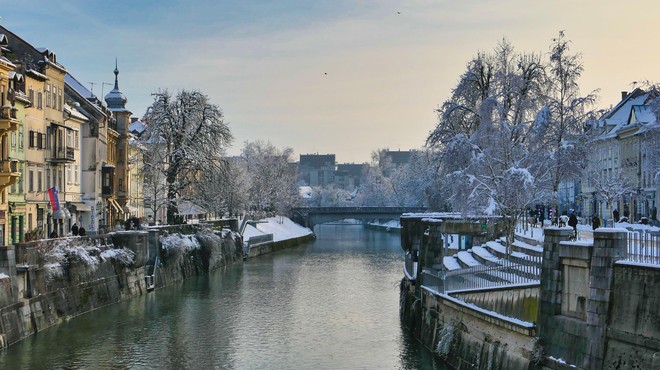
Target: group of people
[(75, 231)]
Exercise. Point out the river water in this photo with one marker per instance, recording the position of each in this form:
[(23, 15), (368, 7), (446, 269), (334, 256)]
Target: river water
[(329, 304)]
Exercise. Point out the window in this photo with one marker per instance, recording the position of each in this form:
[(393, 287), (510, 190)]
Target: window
[(21, 180), (76, 139), (75, 174), (31, 96), (40, 103), (59, 100), (69, 138), (40, 140), (13, 139), (20, 136), (69, 174), (40, 180), (48, 182), (47, 95), (32, 139), (30, 181), (59, 179)]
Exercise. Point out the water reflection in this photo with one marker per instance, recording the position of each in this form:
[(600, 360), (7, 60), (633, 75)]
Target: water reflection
[(330, 304)]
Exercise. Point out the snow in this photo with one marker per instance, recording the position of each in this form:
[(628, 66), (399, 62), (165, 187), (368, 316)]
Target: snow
[(451, 263), (466, 258), (524, 245), (179, 242), (282, 228), (123, 255), (483, 253), (502, 249), (3, 276)]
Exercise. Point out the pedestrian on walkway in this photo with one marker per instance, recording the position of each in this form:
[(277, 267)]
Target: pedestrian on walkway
[(595, 222)]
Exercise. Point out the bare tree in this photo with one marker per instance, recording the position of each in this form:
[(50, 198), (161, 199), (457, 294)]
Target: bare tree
[(611, 187), (270, 177), (565, 113), (192, 136)]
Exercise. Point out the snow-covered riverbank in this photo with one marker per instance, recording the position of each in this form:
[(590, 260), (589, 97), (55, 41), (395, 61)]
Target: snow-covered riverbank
[(280, 227)]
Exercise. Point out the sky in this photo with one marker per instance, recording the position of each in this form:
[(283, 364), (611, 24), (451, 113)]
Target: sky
[(338, 76)]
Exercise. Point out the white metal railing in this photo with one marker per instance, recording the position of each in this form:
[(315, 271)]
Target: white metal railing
[(644, 246), (507, 273)]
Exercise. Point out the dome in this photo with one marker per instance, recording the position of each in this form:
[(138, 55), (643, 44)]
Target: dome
[(115, 99)]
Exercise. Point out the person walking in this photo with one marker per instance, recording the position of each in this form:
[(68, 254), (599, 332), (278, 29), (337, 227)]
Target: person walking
[(615, 214), (81, 231), (74, 229), (595, 222), (572, 222)]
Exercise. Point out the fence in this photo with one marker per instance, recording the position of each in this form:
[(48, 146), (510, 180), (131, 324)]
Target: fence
[(508, 273), (644, 246)]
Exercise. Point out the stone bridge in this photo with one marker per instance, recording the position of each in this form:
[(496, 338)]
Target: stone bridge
[(312, 216)]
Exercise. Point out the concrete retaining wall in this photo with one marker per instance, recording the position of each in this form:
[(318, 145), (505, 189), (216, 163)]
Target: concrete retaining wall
[(520, 302), (464, 337)]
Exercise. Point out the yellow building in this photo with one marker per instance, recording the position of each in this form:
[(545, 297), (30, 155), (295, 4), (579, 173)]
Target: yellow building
[(9, 123)]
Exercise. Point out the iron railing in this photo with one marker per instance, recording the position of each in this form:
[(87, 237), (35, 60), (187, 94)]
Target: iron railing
[(644, 246), (506, 274)]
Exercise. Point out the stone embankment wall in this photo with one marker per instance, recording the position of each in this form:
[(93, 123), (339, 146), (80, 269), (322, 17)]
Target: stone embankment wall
[(45, 282), (520, 302), (273, 246), (465, 338)]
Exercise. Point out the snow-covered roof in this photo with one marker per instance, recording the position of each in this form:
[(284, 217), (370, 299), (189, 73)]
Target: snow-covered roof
[(78, 87), (137, 127), (74, 112)]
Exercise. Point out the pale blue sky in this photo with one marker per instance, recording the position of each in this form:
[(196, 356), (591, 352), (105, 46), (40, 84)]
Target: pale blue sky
[(265, 62)]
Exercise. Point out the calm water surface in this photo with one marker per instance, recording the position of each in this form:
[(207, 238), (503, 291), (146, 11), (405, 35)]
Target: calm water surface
[(329, 304)]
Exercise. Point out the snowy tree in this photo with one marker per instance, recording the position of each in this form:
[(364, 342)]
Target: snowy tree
[(611, 187), (190, 136), (565, 112), (488, 137), (270, 178), (330, 196)]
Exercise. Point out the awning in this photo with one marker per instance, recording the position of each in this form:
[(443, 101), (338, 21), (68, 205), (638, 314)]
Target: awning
[(115, 205), (81, 207)]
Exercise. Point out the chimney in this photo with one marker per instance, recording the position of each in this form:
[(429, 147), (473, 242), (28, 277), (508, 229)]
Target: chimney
[(624, 94)]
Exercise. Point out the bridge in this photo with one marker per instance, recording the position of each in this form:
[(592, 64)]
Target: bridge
[(312, 216)]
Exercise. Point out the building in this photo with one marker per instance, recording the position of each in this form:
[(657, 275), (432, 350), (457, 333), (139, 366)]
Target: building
[(350, 175), (625, 143), (317, 169), (116, 179)]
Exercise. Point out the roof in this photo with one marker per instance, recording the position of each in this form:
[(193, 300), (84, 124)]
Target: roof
[(317, 160), (137, 127)]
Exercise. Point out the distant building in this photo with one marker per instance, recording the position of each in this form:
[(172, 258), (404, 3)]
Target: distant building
[(350, 175), (399, 157), (317, 169)]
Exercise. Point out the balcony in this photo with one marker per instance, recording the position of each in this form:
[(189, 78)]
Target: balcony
[(9, 174), (62, 155), (8, 120)]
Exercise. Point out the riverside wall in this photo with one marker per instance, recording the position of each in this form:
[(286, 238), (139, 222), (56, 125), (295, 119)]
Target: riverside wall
[(463, 337), (36, 292), (597, 309)]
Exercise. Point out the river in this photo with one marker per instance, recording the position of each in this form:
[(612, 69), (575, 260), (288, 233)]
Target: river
[(329, 304)]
